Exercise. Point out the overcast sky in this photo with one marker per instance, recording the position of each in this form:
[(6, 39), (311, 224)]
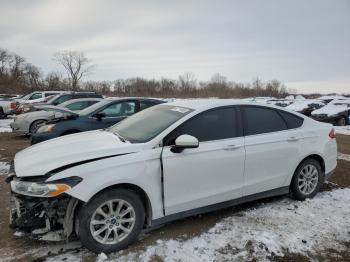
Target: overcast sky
[(304, 44)]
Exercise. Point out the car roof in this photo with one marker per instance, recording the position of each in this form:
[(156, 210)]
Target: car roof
[(201, 104), (112, 98), (71, 101)]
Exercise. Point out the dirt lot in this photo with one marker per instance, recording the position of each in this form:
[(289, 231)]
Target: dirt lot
[(16, 248)]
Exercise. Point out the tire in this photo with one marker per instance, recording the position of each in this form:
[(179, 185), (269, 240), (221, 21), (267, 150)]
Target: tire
[(309, 173), (91, 220), (2, 114), (342, 121), (35, 126)]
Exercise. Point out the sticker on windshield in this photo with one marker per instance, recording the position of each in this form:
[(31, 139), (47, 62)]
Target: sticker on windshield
[(180, 110)]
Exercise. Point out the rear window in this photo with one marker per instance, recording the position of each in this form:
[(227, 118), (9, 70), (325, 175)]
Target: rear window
[(292, 121), (260, 120)]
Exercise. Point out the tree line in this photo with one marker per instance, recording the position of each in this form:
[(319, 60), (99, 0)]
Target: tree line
[(17, 76)]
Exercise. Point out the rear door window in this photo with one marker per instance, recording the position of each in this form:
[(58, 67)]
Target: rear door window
[(260, 120), (292, 121)]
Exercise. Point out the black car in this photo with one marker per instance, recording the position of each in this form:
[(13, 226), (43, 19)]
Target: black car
[(98, 116), (336, 113)]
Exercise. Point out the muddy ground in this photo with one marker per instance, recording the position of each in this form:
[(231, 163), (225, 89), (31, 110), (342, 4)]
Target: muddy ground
[(14, 246)]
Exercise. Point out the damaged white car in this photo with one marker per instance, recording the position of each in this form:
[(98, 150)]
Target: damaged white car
[(164, 163)]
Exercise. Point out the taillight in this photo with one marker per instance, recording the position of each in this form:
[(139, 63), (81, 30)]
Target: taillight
[(332, 134), (13, 105)]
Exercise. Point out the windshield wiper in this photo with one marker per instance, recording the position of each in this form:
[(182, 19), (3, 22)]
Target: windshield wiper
[(120, 137)]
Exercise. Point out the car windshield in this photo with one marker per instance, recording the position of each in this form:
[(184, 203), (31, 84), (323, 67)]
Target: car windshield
[(93, 108), (149, 123)]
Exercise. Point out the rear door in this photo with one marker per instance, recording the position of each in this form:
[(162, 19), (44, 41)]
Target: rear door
[(272, 149), (209, 174)]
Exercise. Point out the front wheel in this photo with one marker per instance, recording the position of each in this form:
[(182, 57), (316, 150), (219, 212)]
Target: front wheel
[(36, 125), (2, 114), (307, 180), (111, 221)]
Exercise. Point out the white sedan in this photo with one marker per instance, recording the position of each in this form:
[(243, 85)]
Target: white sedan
[(164, 163)]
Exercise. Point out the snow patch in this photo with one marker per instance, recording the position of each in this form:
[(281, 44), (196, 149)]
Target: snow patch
[(343, 130), (101, 257), (300, 227), (5, 125), (344, 156), (4, 168)]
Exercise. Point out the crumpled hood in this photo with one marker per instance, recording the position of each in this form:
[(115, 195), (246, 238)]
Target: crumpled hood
[(330, 110), (44, 157)]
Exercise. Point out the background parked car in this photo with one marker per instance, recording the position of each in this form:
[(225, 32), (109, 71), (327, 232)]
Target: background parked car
[(100, 115), (28, 123), (56, 100), (328, 99), (336, 112), (7, 107), (306, 106)]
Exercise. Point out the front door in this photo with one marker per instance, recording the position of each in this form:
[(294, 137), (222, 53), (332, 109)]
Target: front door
[(114, 113), (209, 174)]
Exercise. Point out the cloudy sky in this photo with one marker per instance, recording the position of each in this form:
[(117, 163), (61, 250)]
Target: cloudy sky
[(305, 44)]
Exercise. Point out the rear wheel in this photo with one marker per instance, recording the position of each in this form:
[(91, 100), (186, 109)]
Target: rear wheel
[(342, 121), (307, 179), (36, 125), (111, 221), (2, 114)]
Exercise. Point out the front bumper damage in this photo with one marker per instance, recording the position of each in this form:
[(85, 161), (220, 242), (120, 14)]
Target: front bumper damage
[(50, 219)]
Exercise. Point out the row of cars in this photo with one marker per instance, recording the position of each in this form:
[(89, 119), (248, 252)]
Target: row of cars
[(55, 118), (68, 112), (330, 109)]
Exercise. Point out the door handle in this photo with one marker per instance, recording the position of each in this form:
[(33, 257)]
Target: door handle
[(232, 147), (293, 138)]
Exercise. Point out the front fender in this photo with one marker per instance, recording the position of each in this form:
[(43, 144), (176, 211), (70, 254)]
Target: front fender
[(141, 169)]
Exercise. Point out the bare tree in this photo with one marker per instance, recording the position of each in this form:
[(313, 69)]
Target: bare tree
[(218, 79), (187, 82), (4, 57), (17, 63), (76, 65), (32, 74)]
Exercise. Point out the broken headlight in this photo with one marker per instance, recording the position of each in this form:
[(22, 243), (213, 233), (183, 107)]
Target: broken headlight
[(46, 128), (38, 189)]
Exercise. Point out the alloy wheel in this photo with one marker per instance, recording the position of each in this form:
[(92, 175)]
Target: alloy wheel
[(308, 179), (112, 221)]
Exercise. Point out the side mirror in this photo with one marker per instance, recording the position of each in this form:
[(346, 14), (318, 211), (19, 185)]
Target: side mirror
[(183, 142), (99, 115)]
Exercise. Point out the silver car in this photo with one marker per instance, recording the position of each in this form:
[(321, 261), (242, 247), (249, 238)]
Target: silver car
[(28, 123)]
